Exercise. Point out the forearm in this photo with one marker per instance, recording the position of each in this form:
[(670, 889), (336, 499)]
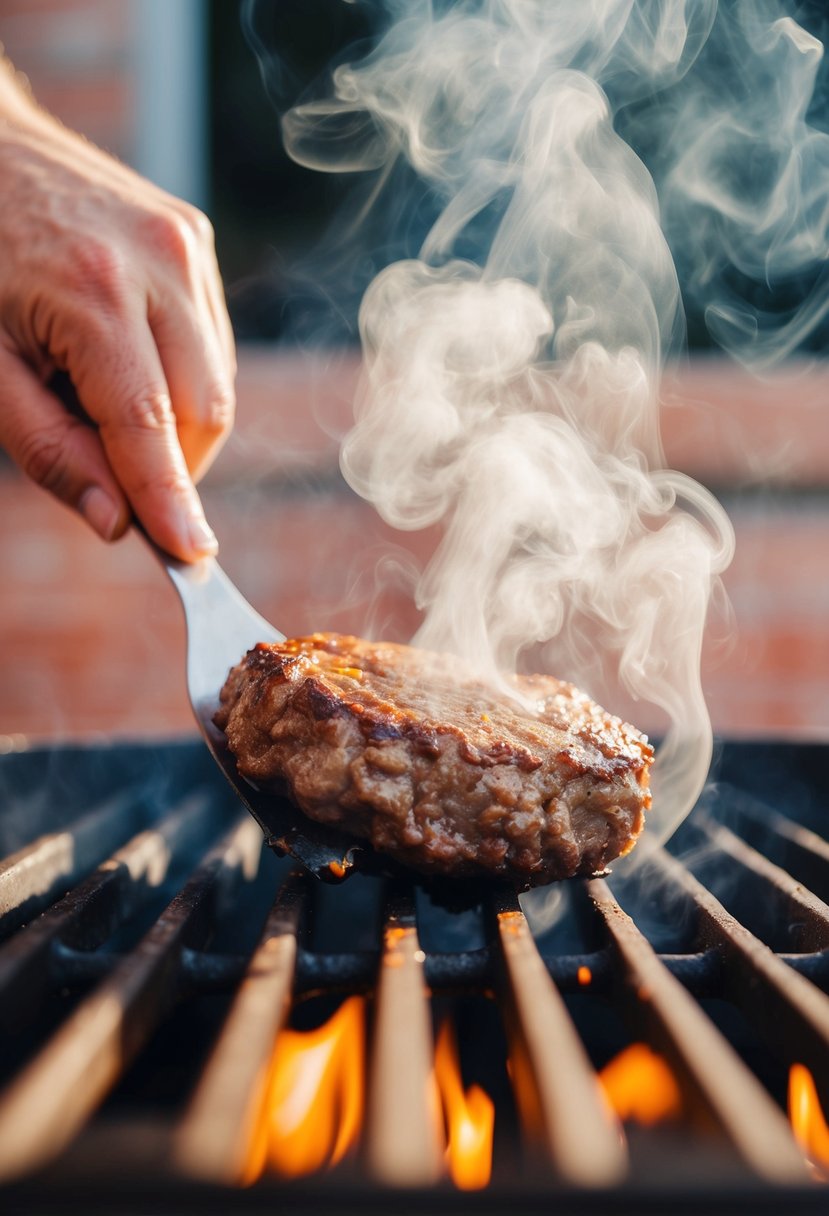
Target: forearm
[(16, 102)]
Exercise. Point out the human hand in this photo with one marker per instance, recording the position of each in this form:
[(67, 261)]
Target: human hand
[(111, 280)]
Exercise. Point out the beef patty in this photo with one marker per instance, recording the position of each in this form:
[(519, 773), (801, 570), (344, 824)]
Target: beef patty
[(409, 750)]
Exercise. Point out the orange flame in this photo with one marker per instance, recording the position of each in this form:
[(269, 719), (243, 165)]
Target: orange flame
[(314, 1097), (469, 1115), (640, 1086), (808, 1123)]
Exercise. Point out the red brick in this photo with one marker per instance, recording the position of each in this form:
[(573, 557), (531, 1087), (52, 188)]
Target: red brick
[(725, 426), (91, 638), (77, 56), (719, 423)]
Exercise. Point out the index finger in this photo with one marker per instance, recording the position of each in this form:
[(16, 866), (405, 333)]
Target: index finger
[(121, 384)]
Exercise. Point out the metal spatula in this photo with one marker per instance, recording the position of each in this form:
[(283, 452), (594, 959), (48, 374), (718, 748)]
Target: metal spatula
[(221, 627)]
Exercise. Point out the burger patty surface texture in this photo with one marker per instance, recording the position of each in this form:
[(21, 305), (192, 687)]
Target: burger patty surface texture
[(411, 751)]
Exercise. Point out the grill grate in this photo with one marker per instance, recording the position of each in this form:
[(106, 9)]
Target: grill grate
[(141, 902)]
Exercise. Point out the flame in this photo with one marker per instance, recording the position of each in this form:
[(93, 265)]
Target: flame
[(312, 1111), (806, 1115), (585, 976), (469, 1114), (640, 1086)]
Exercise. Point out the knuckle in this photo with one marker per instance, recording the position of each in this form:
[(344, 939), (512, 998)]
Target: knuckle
[(43, 458), (146, 412), (199, 224), (221, 410), (168, 234)]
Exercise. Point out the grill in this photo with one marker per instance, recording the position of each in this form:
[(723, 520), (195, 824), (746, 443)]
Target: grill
[(151, 951)]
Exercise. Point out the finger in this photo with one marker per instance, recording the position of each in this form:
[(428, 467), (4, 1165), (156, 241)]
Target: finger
[(211, 281), (59, 452), (217, 305), (120, 381), (194, 367)]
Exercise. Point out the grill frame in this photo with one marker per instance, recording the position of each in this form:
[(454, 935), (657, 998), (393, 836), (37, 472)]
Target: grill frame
[(181, 776)]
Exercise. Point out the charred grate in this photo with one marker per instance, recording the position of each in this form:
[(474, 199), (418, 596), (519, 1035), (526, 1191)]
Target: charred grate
[(140, 996)]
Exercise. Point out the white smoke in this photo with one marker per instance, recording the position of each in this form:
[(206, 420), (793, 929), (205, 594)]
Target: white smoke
[(745, 191), (514, 397)]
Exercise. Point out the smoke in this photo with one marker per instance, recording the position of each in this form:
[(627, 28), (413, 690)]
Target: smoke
[(512, 368), (742, 170)]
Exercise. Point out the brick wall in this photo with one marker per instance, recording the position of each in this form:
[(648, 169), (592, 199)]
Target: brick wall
[(77, 56), (91, 639)]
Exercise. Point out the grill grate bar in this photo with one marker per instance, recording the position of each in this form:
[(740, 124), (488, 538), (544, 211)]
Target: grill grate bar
[(801, 852), (202, 972), (815, 967), (33, 876), (791, 1013), (89, 913), (50, 1100), (556, 1089), (217, 1139), (403, 1143), (793, 905), (719, 1086), (453, 973)]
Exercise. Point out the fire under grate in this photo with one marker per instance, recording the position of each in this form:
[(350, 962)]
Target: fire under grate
[(152, 950)]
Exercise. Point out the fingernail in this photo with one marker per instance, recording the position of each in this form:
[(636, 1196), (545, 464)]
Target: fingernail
[(99, 510), (202, 537)]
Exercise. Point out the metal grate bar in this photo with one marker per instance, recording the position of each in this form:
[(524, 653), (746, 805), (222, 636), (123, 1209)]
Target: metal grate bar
[(218, 1131), (795, 905), (403, 1141), (88, 915), (556, 1089), (50, 1100), (791, 1013), (799, 850), (719, 1087), (32, 877), (456, 973)]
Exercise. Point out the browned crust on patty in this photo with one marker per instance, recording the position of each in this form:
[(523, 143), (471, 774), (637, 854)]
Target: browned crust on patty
[(409, 750)]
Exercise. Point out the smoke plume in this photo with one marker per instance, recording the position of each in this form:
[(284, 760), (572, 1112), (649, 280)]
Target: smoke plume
[(512, 367)]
